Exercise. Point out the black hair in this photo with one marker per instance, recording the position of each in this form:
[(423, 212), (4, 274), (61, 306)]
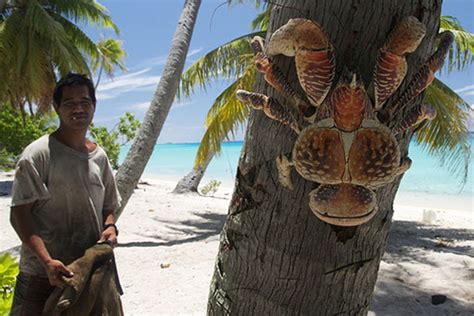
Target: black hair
[(70, 80)]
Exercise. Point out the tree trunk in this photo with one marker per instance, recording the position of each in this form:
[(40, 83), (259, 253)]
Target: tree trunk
[(190, 182), (275, 257), (132, 168)]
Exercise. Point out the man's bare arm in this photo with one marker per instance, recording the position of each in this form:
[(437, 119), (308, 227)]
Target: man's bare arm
[(22, 221), (110, 233)]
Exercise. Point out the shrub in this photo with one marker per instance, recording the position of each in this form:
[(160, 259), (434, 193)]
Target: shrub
[(8, 272), (211, 188)]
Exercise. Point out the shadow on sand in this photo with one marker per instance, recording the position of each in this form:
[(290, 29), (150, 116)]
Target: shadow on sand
[(6, 187), (208, 225)]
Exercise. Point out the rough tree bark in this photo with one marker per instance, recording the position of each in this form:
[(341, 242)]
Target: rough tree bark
[(132, 168), (275, 257), (190, 182)]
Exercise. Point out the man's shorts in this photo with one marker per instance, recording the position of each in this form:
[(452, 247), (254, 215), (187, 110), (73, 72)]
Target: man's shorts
[(31, 293)]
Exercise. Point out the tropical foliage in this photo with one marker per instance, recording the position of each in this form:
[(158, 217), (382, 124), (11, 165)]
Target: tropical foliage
[(14, 139), (8, 272), (112, 140), (42, 39), (446, 137)]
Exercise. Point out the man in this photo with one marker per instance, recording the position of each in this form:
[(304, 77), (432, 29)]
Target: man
[(63, 197)]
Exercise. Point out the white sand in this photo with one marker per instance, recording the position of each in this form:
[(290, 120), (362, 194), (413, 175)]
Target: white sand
[(169, 243)]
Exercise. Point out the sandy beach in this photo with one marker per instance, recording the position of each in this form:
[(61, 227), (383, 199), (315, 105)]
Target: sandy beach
[(168, 245)]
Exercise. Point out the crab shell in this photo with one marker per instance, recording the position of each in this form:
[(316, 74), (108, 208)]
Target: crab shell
[(349, 165), (343, 204)]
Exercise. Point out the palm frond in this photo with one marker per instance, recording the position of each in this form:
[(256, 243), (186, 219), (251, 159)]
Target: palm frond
[(228, 61), (87, 11), (225, 116), (78, 37), (447, 136), (462, 51), (262, 20)]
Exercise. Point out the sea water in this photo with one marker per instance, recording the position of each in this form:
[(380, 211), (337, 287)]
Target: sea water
[(426, 175)]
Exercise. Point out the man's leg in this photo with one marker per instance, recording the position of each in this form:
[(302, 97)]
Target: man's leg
[(31, 293)]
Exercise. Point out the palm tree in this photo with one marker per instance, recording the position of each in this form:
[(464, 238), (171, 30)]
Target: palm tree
[(446, 137), (110, 56), (41, 38), (137, 157), (275, 257), (234, 59)]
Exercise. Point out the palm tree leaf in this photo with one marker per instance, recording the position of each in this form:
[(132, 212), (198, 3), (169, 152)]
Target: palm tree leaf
[(88, 11), (245, 82), (262, 20), (80, 39), (225, 116), (447, 136), (462, 51), (228, 61)]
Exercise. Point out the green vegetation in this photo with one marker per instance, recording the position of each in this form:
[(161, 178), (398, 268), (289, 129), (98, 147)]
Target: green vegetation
[(211, 188), (8, 272), (18, 132), (112, 140), (40, 39)]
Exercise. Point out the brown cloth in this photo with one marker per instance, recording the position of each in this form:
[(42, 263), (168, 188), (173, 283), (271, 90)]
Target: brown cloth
[(93, 290)]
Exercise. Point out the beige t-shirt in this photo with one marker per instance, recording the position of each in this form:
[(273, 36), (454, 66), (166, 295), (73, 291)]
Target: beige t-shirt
[(70, 190)]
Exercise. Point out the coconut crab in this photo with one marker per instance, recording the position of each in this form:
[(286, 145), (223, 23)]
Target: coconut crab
[(342, 144)]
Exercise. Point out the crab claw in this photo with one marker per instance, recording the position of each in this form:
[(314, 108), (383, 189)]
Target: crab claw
[(270, 106), (391, 66), (277, 80), (313, 52), (343, 204)]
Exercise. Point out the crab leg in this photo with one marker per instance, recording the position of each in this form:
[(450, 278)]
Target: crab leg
[(313, 53), (276, 79), (425, 75), (391, 66), (416, 115), (270, 106)]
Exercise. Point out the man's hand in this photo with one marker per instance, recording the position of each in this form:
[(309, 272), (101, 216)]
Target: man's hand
[(55, 270), (109, 235)]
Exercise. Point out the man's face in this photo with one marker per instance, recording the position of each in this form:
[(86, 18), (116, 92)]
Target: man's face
[(76, 109)]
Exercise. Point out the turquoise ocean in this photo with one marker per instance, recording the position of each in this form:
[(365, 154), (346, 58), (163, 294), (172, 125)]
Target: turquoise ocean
[(427, 174)]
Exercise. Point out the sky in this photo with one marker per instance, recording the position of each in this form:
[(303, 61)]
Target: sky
[(146, 30)]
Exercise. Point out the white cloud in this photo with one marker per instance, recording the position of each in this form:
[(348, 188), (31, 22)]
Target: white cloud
[(466, 88), (140, 106), (136, 81), (161, 60), (469, 92), (194, 51)]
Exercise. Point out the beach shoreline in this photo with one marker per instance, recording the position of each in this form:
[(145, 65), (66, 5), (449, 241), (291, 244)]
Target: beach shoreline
[(168, 245)]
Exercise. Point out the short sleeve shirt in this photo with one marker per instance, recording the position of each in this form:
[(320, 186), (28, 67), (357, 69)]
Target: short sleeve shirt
[(69, 191)]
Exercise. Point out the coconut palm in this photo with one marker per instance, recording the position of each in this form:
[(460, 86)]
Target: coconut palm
[(275, 257), (446, 137), (137, 157), (110, 57), (40, 39)]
